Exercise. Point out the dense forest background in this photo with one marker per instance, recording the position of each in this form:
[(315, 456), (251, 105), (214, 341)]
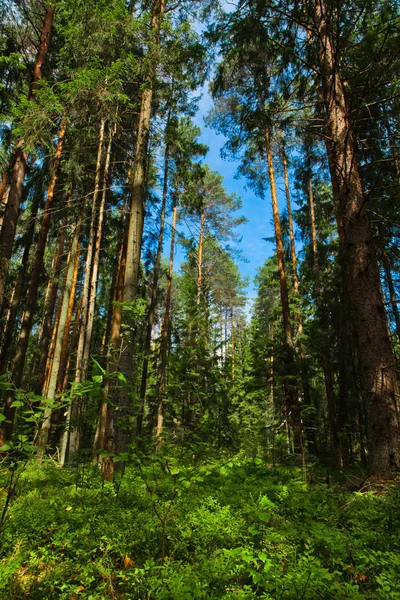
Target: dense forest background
[(158, 437)]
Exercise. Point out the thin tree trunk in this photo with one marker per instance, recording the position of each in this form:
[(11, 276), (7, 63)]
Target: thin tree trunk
[(19, 285), (292, 401), (392, 293), (52, 386), (50, 304), (80, 368), (375, 354), (290, 218), (96, 259), (153, 298), (31, 298), (9, 227), (105, 434), (233, 344), (325, 357), (200, 255), (165, 325), (65, 344)]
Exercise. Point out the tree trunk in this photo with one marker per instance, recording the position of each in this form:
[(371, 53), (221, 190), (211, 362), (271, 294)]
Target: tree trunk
[(392, 293), (233, 344), (80, 368), (325, 356), (18, 288), (46, 333), (65, 344), (165, 325), (96, 258), (200, 255), (153, 299), (309, 421), (375, 355), (292, 400), (134, 244), (31, 298), (52, 386), (9, 227), (290, 218)]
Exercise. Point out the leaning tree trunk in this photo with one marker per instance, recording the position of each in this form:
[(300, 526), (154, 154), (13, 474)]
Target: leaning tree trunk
[(375, 355), (292, 400), (9, 227)]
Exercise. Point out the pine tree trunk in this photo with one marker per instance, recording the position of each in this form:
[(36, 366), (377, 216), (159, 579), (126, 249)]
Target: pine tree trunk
[(153, 298), (80, 368), (31, 298), (375, 354), (233, 344), (200, 255), (52, 386), (96, 259), (18, 288), (105, 433), (290, 218), (9, 227), (292, 400), (165, 325), (65, 344), (50, 304), (134, 244), (309, 421), (325, 357)]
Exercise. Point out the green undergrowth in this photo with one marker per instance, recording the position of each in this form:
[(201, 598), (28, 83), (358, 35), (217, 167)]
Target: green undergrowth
[(183, 529)]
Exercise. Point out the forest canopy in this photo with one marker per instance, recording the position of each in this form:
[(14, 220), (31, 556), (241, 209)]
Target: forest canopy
[(168, 436)]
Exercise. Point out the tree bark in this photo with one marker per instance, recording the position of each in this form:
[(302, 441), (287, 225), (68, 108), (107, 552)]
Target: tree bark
[(290, 218), (18, 287), (375, 354), (31, 298), (153, 298), (134, 244), (46, 333), (9, 227), (165, 325), (80, 368), (292, 400), (52, 386), (392, 293), (200, 254), (66, 339)]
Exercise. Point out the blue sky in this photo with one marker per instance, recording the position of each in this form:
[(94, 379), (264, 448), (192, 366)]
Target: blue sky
[(257, 210)]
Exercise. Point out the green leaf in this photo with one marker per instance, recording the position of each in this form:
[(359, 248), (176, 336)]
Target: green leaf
[(122, 377), (17, 404)]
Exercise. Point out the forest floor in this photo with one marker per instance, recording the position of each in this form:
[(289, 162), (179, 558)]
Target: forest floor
[(179, 528)]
